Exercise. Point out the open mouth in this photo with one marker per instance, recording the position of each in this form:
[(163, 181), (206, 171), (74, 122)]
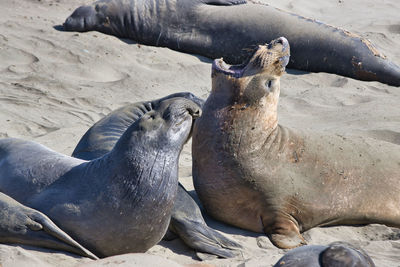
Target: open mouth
[(259, 57)]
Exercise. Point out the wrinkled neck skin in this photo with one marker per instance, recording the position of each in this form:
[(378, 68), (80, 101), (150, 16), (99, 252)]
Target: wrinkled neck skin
[(247, 120), (137, 167)]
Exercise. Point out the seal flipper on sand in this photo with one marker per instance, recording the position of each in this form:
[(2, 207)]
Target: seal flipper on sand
[(186, 219), (22, 225), (188, 223)]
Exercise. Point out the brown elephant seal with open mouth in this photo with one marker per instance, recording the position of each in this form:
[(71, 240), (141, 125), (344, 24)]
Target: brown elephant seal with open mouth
[(253, 173), (118, 203)]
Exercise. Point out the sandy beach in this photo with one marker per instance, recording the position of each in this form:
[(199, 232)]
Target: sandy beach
[(54, 85)]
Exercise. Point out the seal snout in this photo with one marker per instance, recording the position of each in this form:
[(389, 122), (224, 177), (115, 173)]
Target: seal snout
[(195, 113), (285, 49), (282, 41), (182, 108), (82, 19), (192, 108)]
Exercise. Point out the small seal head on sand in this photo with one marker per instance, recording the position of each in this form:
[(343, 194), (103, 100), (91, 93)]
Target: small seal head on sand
[(336, 254), (251, 172), (118, 203)]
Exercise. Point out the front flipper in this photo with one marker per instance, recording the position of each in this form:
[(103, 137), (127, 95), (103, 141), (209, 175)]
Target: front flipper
[(224, 2), (22, 225), (284, 233), (188, 223), (202, 238)]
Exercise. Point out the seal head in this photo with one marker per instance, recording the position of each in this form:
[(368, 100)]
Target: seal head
[(334, 255), (258, 76), (170, 122)]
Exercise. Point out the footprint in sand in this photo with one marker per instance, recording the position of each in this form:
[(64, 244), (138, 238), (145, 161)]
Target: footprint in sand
[(15, 60)]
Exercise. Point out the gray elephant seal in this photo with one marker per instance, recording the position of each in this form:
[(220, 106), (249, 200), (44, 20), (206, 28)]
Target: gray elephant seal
[(115, 204), (337, 254), (186, 219), (253, 173), (22, 225), (228, 28)]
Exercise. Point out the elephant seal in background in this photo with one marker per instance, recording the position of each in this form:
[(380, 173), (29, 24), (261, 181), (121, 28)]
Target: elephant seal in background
[(228, 28), (22, 225), (253, 173), (186, 219), (337, 254), (115, 204)]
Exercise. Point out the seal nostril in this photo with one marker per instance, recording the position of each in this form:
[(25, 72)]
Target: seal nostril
[(195, 112)]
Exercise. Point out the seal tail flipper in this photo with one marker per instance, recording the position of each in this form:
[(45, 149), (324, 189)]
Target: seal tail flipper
[(20, 224), (355, 56), (205, 239), (378, 69), (50, 228)]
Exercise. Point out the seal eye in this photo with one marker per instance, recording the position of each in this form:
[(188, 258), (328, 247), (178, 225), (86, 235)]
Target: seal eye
[(269, 84)]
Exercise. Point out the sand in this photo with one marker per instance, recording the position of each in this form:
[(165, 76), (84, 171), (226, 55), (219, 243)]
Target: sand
[(54, 85)]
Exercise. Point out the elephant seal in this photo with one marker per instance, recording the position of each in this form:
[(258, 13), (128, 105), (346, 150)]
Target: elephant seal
[(115, 204), (22, 225), (337, 254), (186, 219), (253, 173), (228, 28)]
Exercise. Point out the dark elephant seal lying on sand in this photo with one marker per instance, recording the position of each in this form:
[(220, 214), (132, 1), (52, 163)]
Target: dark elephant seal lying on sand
[(186, 219), (253, 173), (228, 28), (115, 204)]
